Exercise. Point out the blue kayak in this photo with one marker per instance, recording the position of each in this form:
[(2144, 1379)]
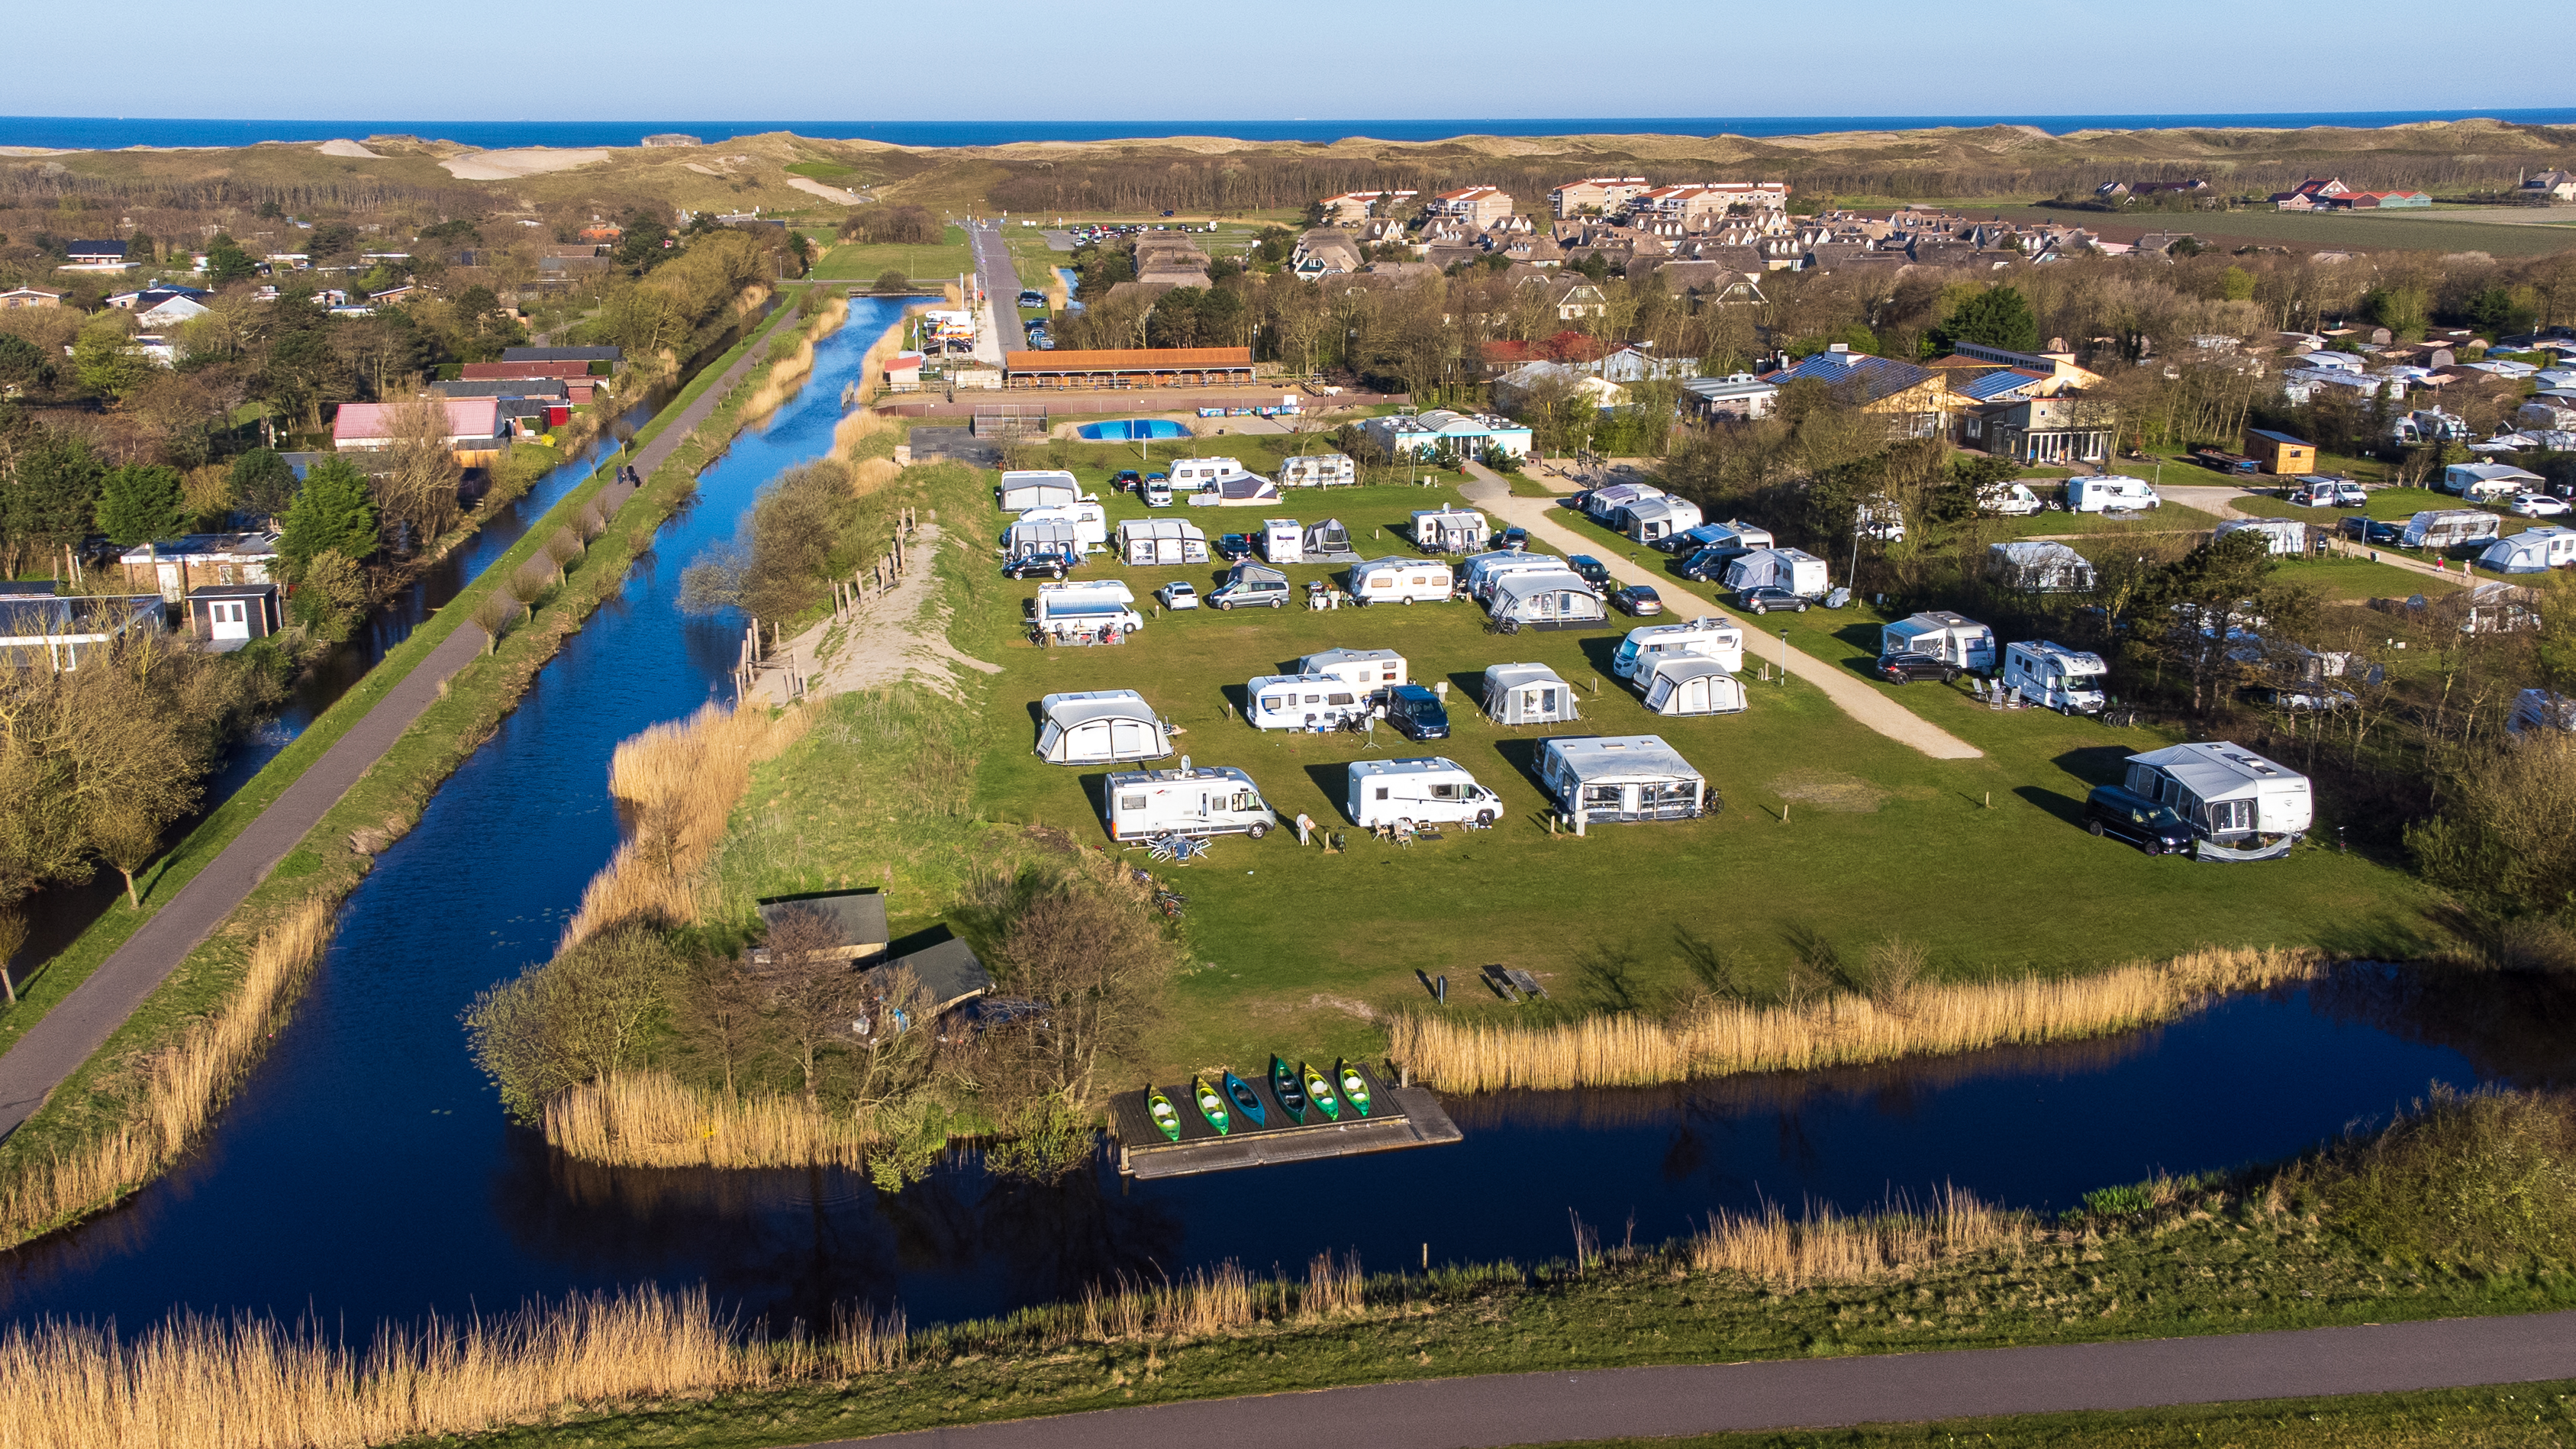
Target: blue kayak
[(1240, 1092)]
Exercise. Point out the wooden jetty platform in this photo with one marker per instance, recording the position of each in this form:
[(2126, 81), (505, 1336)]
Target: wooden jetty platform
[(1402, 1117)]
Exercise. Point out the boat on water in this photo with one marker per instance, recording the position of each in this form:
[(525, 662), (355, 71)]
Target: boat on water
[(1283, 1085), (1212, 1106), (1240, 1092), (1166, 1116), (1319, 1091), (1354, 1086)]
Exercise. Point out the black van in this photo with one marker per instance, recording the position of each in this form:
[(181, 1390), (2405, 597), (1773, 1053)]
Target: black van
[(1416, 713), (2151, 827)]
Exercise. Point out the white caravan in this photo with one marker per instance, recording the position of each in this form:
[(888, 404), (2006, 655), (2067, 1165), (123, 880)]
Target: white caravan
[(1401, 581), (1527, 694), (1091, 606), (1478, 575), (2442, 528), (1449, 530), (1710, 637), (2066, 680), (1603, 505), (1218, 800), (1025, 488), (1089, 520), (1283, 540), (1794, 569), (1370, 669), (1101, 727), (1686, 685), (2109, 491), (2282, 537), (1652, 520), (1302, 702), (2226, 792), (1319, 470), (1547, 599), (1955, 638), (1383, 792), (1189, 475), (1598, 778)]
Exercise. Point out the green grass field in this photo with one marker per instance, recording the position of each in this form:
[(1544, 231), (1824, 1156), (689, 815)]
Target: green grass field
[(2436, 230), (865, 262)]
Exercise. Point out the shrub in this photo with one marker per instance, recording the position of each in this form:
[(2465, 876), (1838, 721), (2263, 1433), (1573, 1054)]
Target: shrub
[(2484, 1181)]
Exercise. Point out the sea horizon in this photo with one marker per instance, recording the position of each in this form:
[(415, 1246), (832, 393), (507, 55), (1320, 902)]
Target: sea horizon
[(100, 133)]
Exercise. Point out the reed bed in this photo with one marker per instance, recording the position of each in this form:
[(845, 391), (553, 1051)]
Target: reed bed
[(181, 1085), (676, 783), (649, 1119), (787, 375), (1824, 1246), (1719, 1038), (856, 427), (872, 362)]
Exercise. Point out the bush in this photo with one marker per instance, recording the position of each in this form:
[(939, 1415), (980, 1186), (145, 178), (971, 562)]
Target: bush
[(891, 280), (2484, 1181), (573, 1020)]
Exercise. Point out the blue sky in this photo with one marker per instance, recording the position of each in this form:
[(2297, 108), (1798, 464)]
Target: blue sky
[(1156, 60)]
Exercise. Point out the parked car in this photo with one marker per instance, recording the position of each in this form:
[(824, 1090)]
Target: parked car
[(2371, 530), (1907, 668), (1031, 297), (1039, 566), (1233, 546), (2296, 698), (2350, 495), (1638, 600), (2151, 827), (1125, 480), (2539, 505), (1766, 598), (1707, 564), (1178, 595), (1589, 569), (1515, 539), (1416, 713)]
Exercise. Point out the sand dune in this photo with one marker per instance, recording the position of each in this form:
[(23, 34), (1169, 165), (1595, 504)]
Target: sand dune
[(812, 187), (511, 165), (348, 148)]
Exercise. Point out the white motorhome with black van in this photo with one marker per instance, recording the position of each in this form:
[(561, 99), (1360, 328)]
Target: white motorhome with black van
[(1207, 800), (2066, 680), (1383, 792)]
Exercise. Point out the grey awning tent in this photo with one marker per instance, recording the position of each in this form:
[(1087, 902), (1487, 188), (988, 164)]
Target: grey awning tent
[(1526, 694), (1100, 727), (2047, 568), (1688, 684), (1329, 542)]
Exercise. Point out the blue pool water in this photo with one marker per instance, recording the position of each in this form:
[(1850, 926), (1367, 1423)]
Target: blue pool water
[(1128, 430)]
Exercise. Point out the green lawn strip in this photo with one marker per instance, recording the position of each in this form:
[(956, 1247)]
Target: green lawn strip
[(392, 793), (2429, 230), (866, 261), (2230, 1272)]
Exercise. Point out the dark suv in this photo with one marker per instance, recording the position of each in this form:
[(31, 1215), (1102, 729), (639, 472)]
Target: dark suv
[(1416, 713), (1039, 565), (1907, 668), (2151, 827), (1708, 564), (2371, 530), (1589, 569)]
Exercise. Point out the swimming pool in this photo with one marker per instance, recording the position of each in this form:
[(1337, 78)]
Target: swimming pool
[(1128, 430)]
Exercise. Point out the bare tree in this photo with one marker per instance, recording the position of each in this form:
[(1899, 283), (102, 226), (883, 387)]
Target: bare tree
[(127, 838), (814, 996), (420, 488), (719, 1013)]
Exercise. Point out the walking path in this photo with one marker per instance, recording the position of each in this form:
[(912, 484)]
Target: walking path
[(1487, 490), (82, 1022), (885, 638), (1505, 1409), (2218, 499)]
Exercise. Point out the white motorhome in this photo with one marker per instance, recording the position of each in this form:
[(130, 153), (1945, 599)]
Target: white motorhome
[(1319, 470), (2532, 551), (1449, 530), (1089, 520), (1686, 685), (1283, 540), (2110, 491), (1597, 778), (1651, 520), (1189, 475), (1094, 607), (1527, 694), (1794, 569), (2008, 500), (1101, 727), (1370, 669), (2282, 537), (1944, 635), (1208, 800), (1163, 541), (1708, 637), (1022, 489), (2485, 482), (1401, 581), (1302, 702), (2227, 792), (1547, 599), (1383, 792), (2066, 680), (2443, 528), (1478, 575)]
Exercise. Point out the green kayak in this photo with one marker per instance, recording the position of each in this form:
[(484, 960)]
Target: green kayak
[(1212, 1107), (1283, 1085), (1319, 1091), (1166, 1116), (1354, 1086)]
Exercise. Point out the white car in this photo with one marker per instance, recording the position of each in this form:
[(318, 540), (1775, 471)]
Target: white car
[(2539, 505), (2351, 495), (1178, 595)]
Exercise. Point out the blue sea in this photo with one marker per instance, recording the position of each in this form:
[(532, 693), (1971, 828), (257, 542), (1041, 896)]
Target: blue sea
[(107, 133)]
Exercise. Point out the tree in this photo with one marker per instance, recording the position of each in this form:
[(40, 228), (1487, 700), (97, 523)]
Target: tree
[(103, 359), (48, 489), (2236, 285), (23, 364), (263, 483), (331, 513), (141, 502), (572, 1021), (891, 280), (2210, 598), (329, 595), (2000, 317), (127, 838), (420, 489), (227, 263), (814, 995)]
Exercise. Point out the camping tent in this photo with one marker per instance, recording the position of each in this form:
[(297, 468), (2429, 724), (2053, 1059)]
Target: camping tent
[(1162, 541), (1624, 777), (1239, 490), (1525, 694), (2541, 709), (1329, 542), (1794, 569), (1448, 530), (1043, 536), (1546, 599), (1687, 684), (1023, 489), (2226, 791), (1100, 727), (1650, 519), (2532, 551), (2475, 481), (2043, 568), (2283, 537)]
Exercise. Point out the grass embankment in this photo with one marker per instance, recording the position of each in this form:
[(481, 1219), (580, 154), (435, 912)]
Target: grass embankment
[(112, 1093), (2462, 1208)]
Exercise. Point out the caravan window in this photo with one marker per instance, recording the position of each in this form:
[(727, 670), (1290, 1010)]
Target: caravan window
[(1277, 701), (1314, 699), (1343, 699), (1609, 795), (1381, 792), (1444, 792), (2227, 815), (1131, 802), (1547, 700)]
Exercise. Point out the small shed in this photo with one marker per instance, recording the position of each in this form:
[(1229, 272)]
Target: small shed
[(2532, 551), (2282, 537), (1023, 489), (1367, 668), (856, 920), (1598, 778), (1319, 470), (2226, 791), (1163, 541), (2039, 567), (1449, 530), (1943, 635), (1528, 694), (1547, 599), (948, 972), (1687, 684), (1100, 727), (1329, 542), (2279, 453), (227, 616)]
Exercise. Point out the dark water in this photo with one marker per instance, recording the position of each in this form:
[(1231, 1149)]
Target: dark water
[(102, 132), (365, 1172)]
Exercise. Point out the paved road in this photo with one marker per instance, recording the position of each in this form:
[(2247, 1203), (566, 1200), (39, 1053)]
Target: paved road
[(82, 1022), (1855, 696), (1469, 1413), (1001, 283)]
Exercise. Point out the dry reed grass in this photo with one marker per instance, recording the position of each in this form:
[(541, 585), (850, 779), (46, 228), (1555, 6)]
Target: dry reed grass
[(787, 376), (1200, 1303), (182, 1085), (1717, 1038), (1826, 1247), (676, 783), (856, 427), (649, 1119)]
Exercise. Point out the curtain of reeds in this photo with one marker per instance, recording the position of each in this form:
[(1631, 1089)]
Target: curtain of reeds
[(648, 1119), (789, 373)]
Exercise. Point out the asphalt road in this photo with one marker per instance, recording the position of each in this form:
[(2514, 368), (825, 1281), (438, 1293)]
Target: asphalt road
[(1468, 1413), (82, 1022), (1001, 283)]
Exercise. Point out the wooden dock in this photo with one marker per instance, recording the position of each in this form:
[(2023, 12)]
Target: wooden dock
[(1401, 1117)]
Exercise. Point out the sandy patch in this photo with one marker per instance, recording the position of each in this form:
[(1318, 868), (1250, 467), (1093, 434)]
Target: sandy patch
[(812, 187), (1829, 792), (511, 165), (349, 149), (33, 151), (888, 638)]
